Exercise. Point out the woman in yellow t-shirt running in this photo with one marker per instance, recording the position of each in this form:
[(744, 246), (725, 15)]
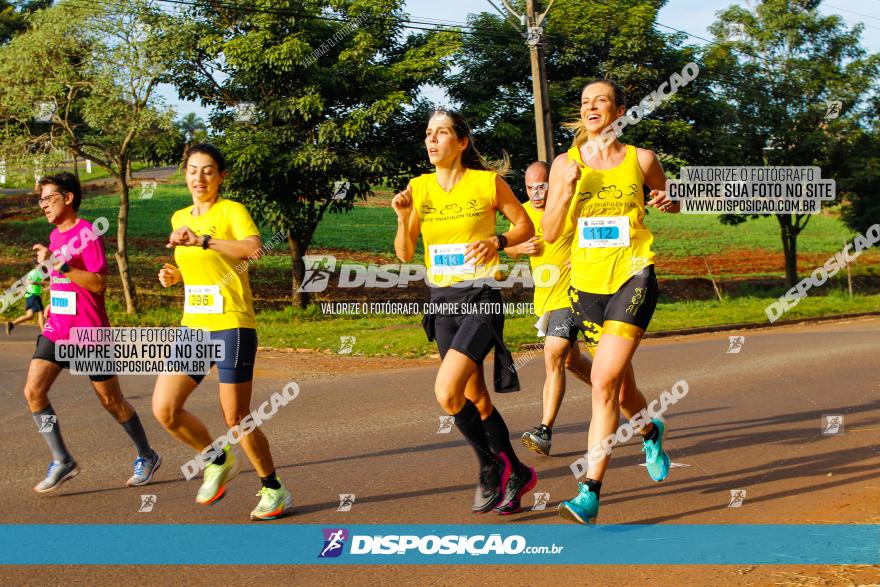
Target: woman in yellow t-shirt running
[(210, 238), (454, 209), (613, 287)]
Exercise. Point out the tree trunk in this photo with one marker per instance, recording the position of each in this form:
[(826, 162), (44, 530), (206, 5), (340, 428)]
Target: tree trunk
[(128, 289), (301, 299), (789, 249), (128, 177)]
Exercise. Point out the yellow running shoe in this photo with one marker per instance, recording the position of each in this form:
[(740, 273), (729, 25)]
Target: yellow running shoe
[(274, 503), (216, 477)]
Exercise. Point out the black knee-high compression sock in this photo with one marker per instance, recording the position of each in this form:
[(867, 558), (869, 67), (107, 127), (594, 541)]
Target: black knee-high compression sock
[(468, 422), (499, 439)]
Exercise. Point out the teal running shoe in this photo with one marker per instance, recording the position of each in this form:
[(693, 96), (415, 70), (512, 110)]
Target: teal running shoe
[(656, 459), (582, 509)]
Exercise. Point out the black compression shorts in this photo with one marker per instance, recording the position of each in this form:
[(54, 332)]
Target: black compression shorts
[(627, 312)]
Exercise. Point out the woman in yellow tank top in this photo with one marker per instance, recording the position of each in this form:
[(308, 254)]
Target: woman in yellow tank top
[(599, 183), (454, 210)]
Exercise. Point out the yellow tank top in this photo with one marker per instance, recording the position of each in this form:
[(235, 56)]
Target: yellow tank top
[(611, 242), (551, 297), (451, 220)]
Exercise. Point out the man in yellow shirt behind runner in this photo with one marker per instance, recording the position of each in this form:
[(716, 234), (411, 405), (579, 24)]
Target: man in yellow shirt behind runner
[(555, 319)]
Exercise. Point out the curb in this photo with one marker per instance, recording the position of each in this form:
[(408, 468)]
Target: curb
[(740, 326)]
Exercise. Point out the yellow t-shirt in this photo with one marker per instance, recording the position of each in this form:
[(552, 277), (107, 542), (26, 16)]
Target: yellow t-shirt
[(608, 210), (207, 274), (451, 220), (551, 297)]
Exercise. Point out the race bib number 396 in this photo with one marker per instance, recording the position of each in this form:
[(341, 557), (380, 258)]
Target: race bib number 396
[(603, 231), (203, 299)]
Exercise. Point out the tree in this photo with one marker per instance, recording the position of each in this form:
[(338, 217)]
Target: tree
[(493, 83), (860, 157), (14, 16), (780, 69), (192, 126), (94, 70), (307, 98)]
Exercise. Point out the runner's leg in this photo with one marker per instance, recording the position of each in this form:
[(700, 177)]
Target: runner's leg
[(169, 396)]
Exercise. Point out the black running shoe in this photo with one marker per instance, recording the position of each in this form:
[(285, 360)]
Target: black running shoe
[(538, 440), (517, 486), (490, 488)]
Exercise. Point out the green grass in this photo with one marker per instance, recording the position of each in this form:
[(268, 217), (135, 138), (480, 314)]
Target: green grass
[(394, 335), (372, 229), (25, 180)]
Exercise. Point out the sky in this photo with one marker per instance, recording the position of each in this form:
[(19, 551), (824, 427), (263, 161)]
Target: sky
[(691, 16)]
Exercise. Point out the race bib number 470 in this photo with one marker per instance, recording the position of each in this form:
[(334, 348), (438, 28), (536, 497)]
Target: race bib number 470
[(63, 302), (203, 299), (603, 231)]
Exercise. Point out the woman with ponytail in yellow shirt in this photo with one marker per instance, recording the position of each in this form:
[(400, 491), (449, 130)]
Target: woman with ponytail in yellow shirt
[(613, 287), (454, 210)]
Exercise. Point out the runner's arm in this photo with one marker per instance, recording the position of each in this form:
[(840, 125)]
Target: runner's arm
[(93, 282), (236, 249), (564, 175), (407, 225), (241, 249), (655, 179), (521, 228)]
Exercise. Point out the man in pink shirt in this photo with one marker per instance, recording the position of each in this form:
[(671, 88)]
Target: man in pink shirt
[(78, 282)]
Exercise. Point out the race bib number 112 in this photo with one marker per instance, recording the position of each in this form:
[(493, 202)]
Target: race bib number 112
[(603, 231)]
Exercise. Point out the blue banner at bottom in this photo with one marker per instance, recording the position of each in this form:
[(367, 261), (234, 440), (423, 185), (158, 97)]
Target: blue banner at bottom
[(297, 544)]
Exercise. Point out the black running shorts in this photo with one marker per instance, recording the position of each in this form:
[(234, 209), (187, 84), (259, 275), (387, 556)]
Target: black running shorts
[(46, 351), (625, 313)]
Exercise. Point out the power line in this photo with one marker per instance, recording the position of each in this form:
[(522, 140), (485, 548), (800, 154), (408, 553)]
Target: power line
[(852, 12)]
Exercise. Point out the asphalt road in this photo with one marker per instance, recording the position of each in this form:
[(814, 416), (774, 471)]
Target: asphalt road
[(752, 421)]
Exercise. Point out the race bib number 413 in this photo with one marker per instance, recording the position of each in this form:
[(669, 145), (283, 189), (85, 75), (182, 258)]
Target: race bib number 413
[(203, 299), (449, 259), (603, 231)]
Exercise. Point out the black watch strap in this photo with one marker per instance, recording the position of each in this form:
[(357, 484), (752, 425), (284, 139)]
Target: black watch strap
[(205, 240), (502, 241)]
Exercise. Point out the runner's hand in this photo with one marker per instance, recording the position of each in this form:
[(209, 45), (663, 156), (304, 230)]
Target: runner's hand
[(183, 237), (532, 246), (660, 200), (42, 253), (403, 202), (169, 275), (478, 252), (572, 175)]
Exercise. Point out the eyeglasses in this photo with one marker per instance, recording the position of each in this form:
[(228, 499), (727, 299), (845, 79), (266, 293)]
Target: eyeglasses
[(538, 187), (48, 198)]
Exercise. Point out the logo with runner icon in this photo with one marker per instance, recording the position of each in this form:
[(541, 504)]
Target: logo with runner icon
[(832, 424), (319, 268), (346, 500), (334, 541), (47, 423)]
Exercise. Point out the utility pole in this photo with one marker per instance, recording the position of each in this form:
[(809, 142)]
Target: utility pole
[(535, 40)]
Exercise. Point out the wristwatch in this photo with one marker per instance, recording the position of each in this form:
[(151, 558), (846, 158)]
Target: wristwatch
[(502, 241), (64, 268), (205, 240)]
